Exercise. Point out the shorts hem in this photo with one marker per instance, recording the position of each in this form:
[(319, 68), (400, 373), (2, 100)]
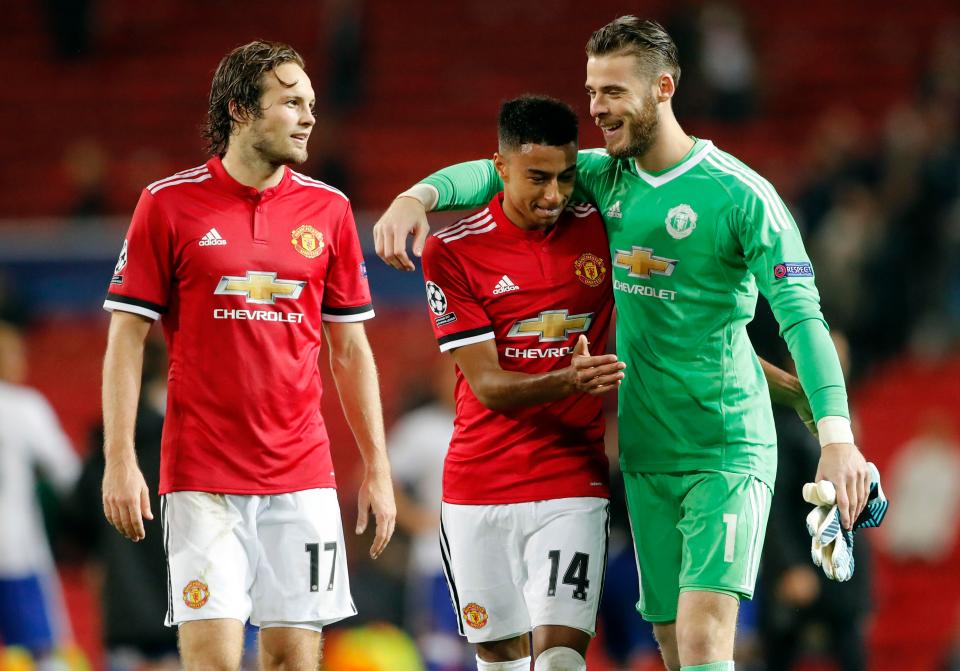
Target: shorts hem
[(657, 619), (496, 638), (737, 594), (589, 632), (320, 622), (170, 622)]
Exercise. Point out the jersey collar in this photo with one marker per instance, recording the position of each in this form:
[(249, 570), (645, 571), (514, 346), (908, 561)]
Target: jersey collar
[(696, 154), (223, 180)]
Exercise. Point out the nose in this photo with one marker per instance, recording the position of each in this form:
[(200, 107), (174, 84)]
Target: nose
[(308, 118), (551, 192), (598, 106)]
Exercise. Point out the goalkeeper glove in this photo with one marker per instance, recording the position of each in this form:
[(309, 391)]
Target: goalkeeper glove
[(831, 546)]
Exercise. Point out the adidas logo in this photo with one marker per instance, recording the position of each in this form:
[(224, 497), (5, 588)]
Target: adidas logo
[(211, 239), (614, 211), (504, 285)]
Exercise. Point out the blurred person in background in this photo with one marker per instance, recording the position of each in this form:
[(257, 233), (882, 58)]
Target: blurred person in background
[(32, 613), (794, 596), (418, 443), (251, 265), (129, 578)]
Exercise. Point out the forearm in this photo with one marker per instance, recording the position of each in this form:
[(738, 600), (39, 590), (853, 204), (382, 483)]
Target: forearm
[(463, 186), (355, 375), (122, 367), (502, 390), (818, 368), (785, 389)]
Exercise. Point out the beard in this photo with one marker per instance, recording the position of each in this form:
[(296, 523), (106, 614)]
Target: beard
[(641, 132), (274, 153)]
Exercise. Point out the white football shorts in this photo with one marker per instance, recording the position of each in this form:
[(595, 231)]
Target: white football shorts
[(276, 560), (514, 567)]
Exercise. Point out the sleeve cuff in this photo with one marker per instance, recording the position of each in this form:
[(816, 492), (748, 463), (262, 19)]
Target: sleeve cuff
[(358, 313), (834, 429), (471, 337), (134, 305), (427, 194)]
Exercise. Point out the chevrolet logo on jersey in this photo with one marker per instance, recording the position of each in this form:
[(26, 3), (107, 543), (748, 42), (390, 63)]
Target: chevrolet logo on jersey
[(640, 262), (260, 287), (551, 325)]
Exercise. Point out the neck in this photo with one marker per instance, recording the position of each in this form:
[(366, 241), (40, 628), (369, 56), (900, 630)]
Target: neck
[(517, 219), (671, 145), (247, 166)]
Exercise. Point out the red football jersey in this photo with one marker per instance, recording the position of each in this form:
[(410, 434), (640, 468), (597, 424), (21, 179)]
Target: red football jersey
[(534, 293), (242, 281)]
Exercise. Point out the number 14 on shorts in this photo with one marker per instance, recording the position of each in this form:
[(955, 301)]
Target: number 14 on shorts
[(575, 574)]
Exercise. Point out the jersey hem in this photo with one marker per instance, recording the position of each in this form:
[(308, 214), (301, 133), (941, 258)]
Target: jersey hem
[(672, 468), (532, 498), (246, 491)]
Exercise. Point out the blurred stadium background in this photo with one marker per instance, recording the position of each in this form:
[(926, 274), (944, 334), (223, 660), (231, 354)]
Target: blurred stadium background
[(851, 109)]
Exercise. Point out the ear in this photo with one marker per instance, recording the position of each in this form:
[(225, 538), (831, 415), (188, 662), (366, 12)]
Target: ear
[(501, 166), (665, 87), (234, 112)]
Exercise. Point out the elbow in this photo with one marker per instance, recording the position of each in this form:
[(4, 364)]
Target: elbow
[(494, 403), (490, 399)]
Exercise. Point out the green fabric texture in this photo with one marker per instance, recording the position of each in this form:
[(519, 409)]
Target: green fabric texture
[(692, 246), (713, 666)]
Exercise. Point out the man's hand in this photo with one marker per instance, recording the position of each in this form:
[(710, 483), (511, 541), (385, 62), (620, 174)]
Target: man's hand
[(844, 466), (126, 500), (595, 375), (376, 495), (405, 216)]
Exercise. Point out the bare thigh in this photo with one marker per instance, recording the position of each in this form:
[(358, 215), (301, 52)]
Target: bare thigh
[(211, 645)]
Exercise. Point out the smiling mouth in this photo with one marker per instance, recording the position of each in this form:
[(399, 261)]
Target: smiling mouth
[(300, 138), (610, 129)]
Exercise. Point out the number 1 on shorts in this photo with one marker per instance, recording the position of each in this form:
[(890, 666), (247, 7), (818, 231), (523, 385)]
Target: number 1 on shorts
[(729, 521)]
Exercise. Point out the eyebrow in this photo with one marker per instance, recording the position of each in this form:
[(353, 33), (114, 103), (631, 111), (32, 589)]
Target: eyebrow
[(546, 173)]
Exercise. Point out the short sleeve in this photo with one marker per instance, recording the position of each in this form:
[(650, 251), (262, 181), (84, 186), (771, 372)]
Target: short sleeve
[(346, 292), (143, 275), (457, 317)]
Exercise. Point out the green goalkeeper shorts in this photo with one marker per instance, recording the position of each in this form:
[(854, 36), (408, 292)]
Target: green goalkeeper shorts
[(695, 531)]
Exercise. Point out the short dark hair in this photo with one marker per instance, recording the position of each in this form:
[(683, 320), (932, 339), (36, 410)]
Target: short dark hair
[(536, 120), (239, 78), (643, 38)]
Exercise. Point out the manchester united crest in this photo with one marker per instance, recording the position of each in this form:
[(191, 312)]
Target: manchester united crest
[(475, 615), (196, 594), (590, 269), (308, 241)]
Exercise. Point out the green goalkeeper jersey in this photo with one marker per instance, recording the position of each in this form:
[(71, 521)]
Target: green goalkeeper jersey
[(691, 245)]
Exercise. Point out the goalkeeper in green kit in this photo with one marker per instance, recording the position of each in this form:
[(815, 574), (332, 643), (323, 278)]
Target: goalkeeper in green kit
[(694, 234)]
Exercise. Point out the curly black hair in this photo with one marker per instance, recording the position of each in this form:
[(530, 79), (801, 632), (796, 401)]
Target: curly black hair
[(536, 120)]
